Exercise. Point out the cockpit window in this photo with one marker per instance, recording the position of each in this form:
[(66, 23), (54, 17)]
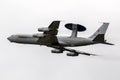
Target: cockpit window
[(23, 36), (13, 35)]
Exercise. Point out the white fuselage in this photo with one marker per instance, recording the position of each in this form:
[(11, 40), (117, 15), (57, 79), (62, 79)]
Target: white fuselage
[(79, 41), (62, 41)]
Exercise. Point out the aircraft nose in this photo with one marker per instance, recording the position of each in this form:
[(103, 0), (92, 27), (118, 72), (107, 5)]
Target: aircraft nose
[(9, 38)]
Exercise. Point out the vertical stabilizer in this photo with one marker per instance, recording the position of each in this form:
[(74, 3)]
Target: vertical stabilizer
[(98, 36)]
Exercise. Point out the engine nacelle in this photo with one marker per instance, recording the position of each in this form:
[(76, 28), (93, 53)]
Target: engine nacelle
[(72, 54), (56, 51), (38, 35), (43, 29)]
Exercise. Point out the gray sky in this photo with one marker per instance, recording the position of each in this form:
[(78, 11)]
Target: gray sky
[(32, 62)]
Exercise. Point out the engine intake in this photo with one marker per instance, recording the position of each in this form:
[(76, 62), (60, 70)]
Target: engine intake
[(72, 54), (56, 51)]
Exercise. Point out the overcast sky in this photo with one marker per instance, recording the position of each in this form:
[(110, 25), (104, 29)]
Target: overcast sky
[(33, 62)]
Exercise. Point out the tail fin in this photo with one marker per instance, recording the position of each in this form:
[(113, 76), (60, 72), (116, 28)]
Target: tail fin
[(98, 36)]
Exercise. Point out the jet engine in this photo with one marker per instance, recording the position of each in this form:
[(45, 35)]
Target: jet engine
[(72, 54), (57, 51), (38, 35), (43, 29)]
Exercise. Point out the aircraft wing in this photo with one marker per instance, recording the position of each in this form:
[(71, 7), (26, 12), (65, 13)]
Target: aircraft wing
[(60, 49), (50, 34), (76, 53)]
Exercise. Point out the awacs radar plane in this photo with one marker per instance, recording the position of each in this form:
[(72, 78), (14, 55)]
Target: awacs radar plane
[(49, 38)]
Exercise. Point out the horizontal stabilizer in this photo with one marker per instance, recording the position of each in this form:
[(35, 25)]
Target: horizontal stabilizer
[(108, 43)]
